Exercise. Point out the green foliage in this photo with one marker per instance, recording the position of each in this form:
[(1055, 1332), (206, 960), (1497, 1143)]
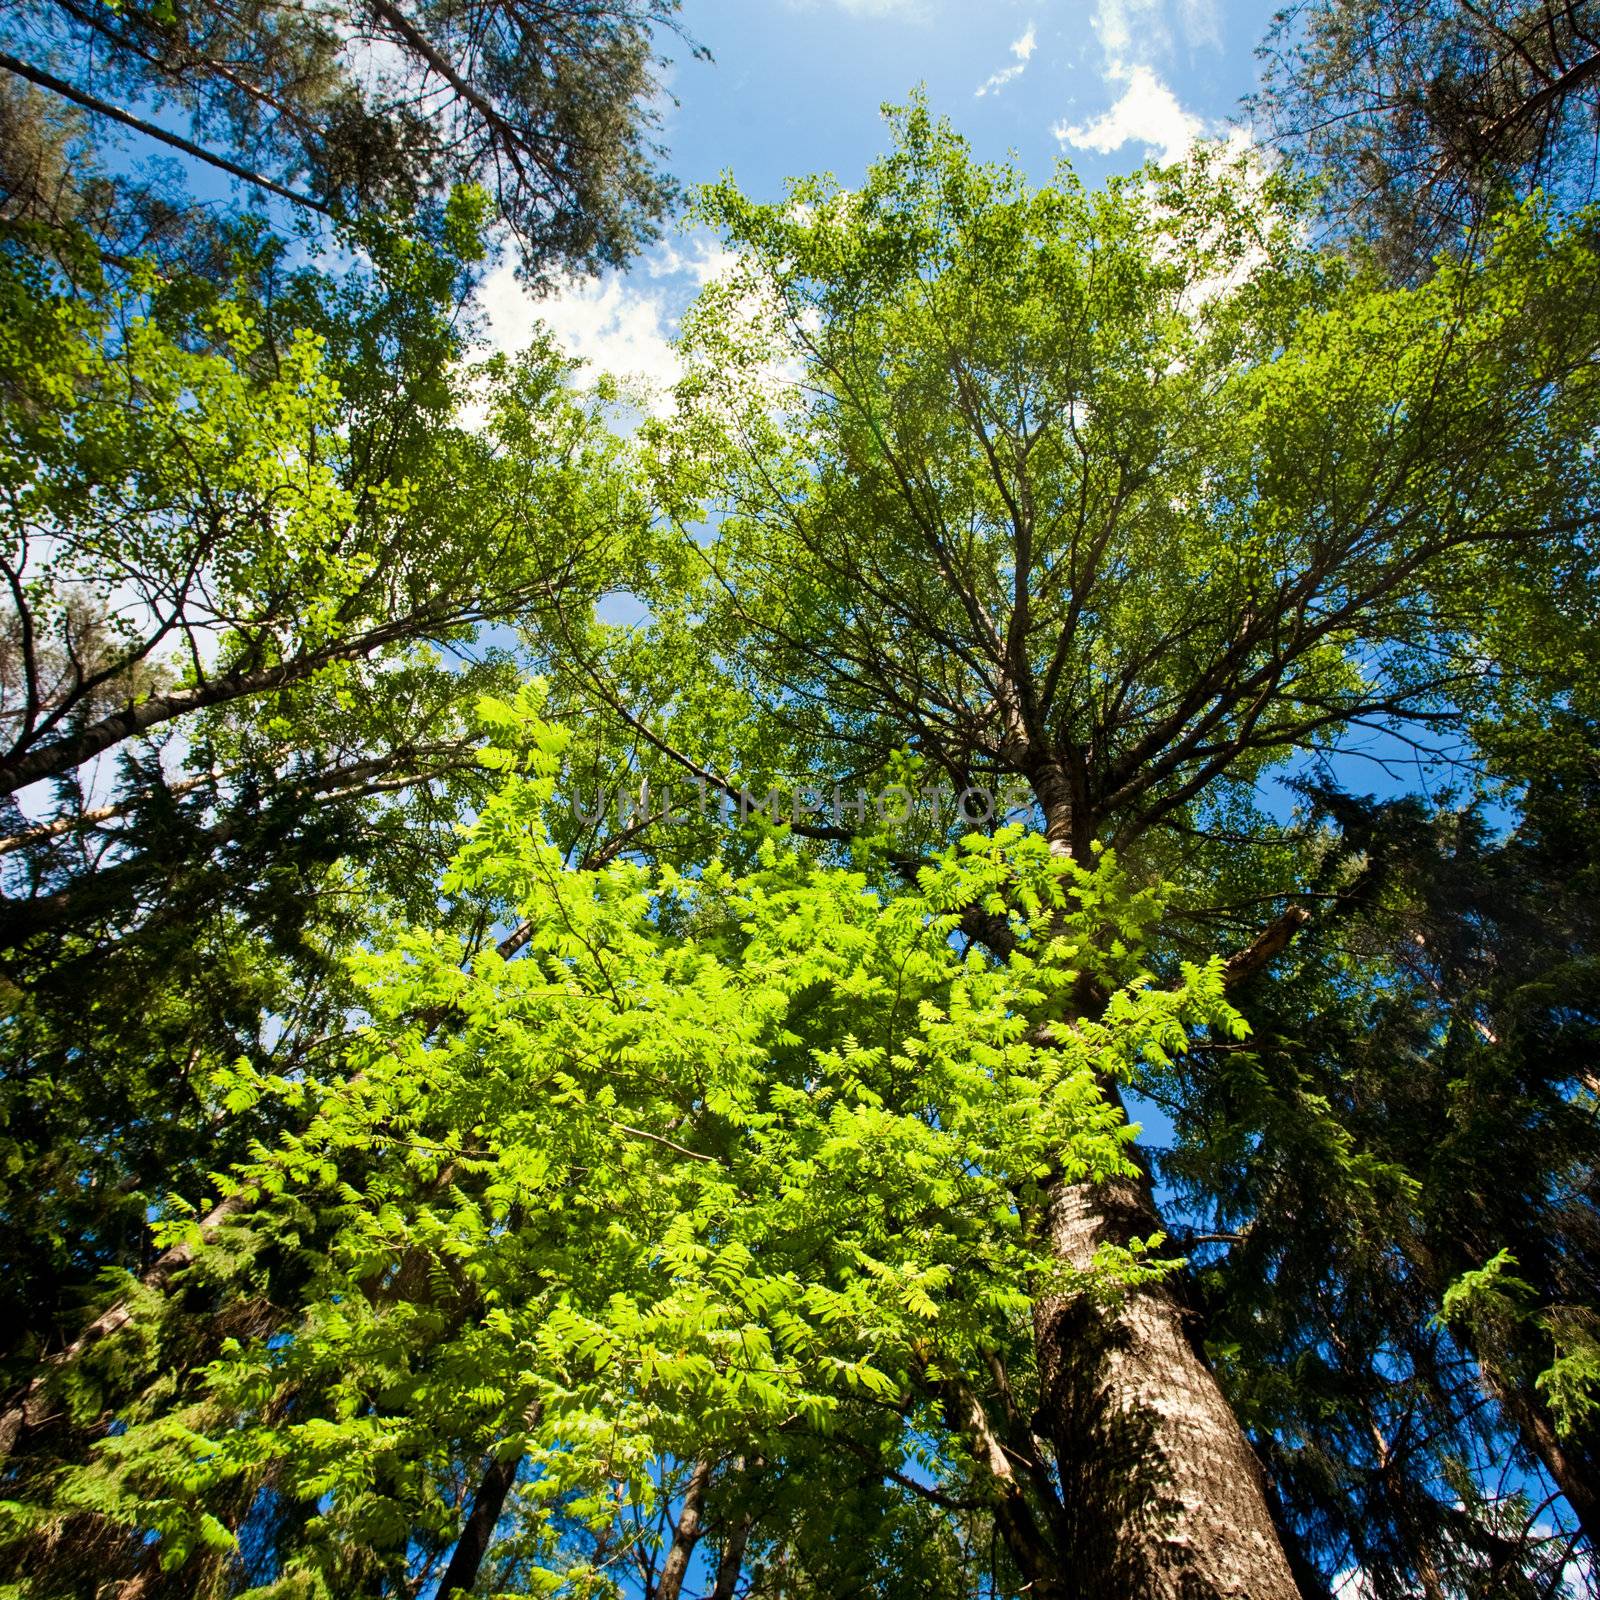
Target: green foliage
[(719, 1160), (530, 1175), (252, 548), (549, 108), (1421, 119), (1049, 470)]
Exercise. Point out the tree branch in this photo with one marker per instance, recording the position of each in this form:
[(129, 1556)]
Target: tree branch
[(103, 108)]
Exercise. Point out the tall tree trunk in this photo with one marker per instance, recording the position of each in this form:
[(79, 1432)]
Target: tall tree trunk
[(1037, 1555), (1162, 1496), (731, 1562), (477, 1532), (736, 1538), (686, 1535)]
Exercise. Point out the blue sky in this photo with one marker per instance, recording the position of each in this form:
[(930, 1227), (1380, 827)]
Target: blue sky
[(796, 87), (797, 84)]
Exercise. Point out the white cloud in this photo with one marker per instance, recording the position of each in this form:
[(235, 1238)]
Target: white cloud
[(1133, 36), (1131, 27), (1139, 30), (1022, 49), (1147, 113), (1200, 23), (704, 260), (615, 328), (622, 326), (606, 322)]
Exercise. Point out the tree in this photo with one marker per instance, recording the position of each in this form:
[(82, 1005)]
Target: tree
[(1422, 117), (1124, 498), (653, 1192), (341, 113), (251, 549), (1397, 1177), (1418, 1098), (249, 520), (714, 1167)]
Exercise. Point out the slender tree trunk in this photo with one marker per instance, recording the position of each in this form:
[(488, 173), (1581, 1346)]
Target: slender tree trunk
[(731, 1562), (477, 1532), (29, 762), (1035, 1552), (150, 130), (1162, 1496), (1421, 1559), (736, 1540), (686, 1535), (1571, 1467)]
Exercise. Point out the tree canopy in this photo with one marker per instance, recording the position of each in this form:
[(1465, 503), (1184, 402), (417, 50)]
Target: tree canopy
[(1423, 117), (343, 112), (497, 1101)]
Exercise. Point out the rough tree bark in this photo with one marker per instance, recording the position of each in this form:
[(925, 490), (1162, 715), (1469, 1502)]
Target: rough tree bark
[(1162, 1496)]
